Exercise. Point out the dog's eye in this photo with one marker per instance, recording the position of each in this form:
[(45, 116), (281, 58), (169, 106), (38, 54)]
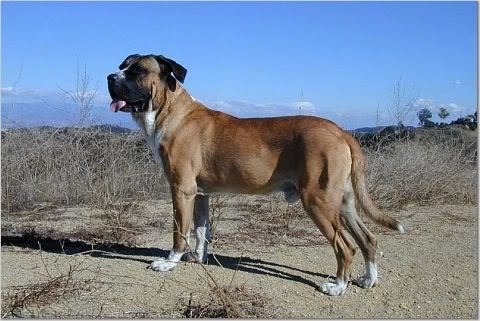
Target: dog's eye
[(137, 69)]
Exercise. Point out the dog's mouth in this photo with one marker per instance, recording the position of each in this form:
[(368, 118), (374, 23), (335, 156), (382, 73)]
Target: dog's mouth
[(117, 105), (120, 101), (126, 106)]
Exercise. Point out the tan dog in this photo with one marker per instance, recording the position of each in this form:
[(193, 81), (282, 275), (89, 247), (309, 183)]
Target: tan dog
[(205, 151)]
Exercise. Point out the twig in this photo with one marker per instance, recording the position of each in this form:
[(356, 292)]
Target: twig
[(121, 228), (236, 269)]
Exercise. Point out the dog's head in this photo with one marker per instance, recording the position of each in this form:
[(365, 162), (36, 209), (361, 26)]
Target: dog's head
[(140, 79)]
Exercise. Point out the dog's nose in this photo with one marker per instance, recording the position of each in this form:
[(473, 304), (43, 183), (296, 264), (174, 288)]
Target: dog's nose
[(112, 78)]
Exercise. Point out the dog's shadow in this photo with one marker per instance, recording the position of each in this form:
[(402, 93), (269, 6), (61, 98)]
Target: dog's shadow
[(262, 267), (124, 252)]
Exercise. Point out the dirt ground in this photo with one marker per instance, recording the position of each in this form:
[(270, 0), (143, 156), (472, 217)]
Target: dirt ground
[(256, 268)]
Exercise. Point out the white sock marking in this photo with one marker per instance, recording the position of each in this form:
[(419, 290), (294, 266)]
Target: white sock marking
[(167, 264)]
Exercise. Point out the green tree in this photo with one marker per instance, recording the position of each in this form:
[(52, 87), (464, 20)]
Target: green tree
[(443, 113), (424, 116)]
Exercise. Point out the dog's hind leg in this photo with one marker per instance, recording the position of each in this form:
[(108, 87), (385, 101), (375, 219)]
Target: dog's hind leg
[(202, 228), (326, 216), (202, 231), (364, 238)]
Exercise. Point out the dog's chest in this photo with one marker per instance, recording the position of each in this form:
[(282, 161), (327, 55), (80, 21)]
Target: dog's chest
[(153, 134)]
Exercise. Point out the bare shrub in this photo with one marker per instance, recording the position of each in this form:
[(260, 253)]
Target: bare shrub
[(82, 96), (434, 167), (81, 166), (243, 303), (216, 212), (402, 101), (269, 221), (225, 301), (23, 301), (286, 215), (76, 166), (114, 171), (119, 225)]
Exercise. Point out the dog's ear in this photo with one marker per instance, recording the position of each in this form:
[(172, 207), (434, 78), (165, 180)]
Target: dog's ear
[(128, 61), (178, 70)]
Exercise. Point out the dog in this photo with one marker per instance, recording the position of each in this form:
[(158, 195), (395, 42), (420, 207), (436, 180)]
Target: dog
[(204, 152)]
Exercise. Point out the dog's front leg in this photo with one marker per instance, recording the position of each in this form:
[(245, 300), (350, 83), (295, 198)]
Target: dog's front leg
[(183, 197)]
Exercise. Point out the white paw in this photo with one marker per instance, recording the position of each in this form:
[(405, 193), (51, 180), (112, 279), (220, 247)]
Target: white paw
[(162, 265), (331, 288), (365, 281)]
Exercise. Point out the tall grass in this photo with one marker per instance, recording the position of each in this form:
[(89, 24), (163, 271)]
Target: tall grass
[(436, 166), (98, 168), (73, 166)]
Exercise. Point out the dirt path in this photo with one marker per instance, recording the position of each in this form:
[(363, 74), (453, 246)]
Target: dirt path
[(429, 272)]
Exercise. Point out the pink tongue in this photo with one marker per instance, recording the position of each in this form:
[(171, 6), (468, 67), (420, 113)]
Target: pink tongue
[(116, 105)]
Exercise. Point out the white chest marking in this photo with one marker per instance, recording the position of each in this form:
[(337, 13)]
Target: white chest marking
[(150, 122), (153, 135), (154, 142)]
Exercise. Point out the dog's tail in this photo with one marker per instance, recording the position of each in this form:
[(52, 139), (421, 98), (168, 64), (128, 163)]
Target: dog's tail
[(361, 192)]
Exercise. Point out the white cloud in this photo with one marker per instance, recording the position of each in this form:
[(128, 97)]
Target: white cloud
[(249, 109), (423, 102), (221, 104), (92, 96), (342, 116), (452, 108), (7, 90), (304, 107), (14, 95), (455, 108)]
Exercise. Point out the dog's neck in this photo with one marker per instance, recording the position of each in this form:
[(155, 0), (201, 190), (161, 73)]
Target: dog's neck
[(165, 112), (177, 105)]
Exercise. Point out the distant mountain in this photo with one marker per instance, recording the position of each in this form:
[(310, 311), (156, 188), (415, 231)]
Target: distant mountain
[(377, 129), (107, 128), (37, 114), (368, 130)]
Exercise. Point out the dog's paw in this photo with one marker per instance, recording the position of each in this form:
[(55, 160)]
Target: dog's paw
[(162, 265), (365, 281), (331, 288), (189, 257), (193, 257)]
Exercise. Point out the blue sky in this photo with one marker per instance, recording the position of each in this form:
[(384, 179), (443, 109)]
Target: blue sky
[(338, 60)]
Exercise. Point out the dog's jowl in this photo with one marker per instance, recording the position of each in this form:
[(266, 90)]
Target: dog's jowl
[(305, 157)]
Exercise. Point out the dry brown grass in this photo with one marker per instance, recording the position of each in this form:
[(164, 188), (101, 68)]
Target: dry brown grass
[(81, 166), (112, 172), (61, 283), (436, 166), (270, 221), (243, 303), (76, 166)]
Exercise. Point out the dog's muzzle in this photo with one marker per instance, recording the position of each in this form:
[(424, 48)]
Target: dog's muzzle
[(119, 103)]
